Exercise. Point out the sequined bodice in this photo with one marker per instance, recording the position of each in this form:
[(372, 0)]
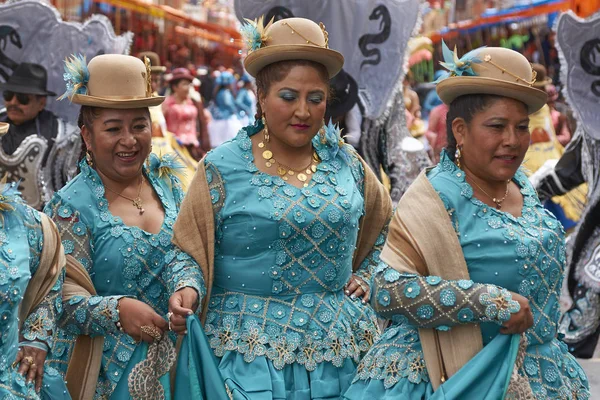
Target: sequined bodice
[(282, 257), (291, 240)]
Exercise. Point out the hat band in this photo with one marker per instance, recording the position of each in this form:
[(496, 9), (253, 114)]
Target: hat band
[(28, 83), (118, 97), (308, 41), (488, 59)]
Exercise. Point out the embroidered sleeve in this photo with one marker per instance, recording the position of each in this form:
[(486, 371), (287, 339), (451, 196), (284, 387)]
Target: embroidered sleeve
[(82, 315), (367, 267), (431, 302), (216, 189), (40, 325), (184, 272)]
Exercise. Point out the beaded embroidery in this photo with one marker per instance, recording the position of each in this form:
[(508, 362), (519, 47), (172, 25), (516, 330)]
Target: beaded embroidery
[(306, 318), (151, 268), (536, 239)]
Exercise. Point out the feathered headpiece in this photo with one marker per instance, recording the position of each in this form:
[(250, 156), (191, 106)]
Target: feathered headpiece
[(254, 33), (456, 66), (167, 164), (76, 76)]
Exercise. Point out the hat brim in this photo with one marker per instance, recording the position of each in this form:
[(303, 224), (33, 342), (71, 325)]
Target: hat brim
[(4, 128), (85, 100), (453, 87), (542, 84), (258, 59), (26, 90)]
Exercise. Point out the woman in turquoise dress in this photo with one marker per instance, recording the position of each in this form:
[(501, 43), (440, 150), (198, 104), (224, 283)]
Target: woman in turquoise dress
[(31, 278), (295, 231), (115, 218), (472, 270)]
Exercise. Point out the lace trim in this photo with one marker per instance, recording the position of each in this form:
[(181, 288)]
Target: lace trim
[(293, 347), (519, 387), (144, 378)]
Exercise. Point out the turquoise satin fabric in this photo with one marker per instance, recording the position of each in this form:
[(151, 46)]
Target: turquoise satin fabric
[(474, 379), (197, 374)]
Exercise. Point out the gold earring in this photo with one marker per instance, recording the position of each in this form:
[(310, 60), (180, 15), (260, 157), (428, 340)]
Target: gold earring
[(265, 133), (88, 158), (322, 133), (457, 156)]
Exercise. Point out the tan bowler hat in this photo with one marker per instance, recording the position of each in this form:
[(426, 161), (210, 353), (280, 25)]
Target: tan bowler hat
[(498, 71), (118, 81), (155, 66), (541, 78), (4, 128), (294, 39)]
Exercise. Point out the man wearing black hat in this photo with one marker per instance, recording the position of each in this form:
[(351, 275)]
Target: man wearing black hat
[(40, 149)]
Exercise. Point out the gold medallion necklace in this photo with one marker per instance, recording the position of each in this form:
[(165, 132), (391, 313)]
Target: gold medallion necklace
[(285, 171), (137, 202)]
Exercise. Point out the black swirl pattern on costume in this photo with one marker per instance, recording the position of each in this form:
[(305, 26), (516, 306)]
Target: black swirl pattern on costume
[(589, 58)]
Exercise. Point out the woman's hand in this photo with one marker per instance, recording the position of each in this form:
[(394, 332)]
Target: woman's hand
[(134, 314), (181, 305), (520, 321), (32, 364), (357, 287)]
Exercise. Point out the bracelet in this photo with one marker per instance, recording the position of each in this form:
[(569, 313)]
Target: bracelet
[(118, 323)]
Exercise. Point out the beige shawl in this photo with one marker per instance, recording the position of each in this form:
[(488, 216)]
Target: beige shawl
[(422, 240), (52, 262), (194, 230), (84, 365)]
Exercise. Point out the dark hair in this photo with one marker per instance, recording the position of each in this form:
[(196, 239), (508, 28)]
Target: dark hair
[(277, 72), (465, 107), (175, 82), (87, 115)]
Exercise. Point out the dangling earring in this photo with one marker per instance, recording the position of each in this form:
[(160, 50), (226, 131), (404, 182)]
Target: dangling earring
[(265, 133), (322, 133), (88, 159), (457, 156)]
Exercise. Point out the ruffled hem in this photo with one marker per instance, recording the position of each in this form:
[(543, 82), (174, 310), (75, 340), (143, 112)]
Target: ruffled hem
[(375, 389), (308, 329), (260, 380)]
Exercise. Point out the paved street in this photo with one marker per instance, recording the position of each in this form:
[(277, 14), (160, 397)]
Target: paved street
[(592, 369)]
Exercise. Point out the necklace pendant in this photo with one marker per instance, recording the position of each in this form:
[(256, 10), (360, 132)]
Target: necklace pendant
[(281, 171), (137, 203), (267, 154), (301, 177), (268, 164), (261, 145)]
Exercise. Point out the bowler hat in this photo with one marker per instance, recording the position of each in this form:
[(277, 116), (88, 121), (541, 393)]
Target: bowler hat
[(28, 78), (110, 81), (492, 70), (155, 66), (181, 73), (290, 39)]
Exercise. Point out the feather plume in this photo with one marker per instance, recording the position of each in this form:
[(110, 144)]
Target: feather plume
[(76, 76), (458, 66), (254, 33), (334, 143), (167, 164)]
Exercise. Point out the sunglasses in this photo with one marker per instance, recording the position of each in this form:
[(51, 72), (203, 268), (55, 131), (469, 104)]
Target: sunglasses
[(21, 97)]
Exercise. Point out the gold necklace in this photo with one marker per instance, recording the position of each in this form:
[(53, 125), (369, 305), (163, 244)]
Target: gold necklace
[(498, 202), (284, 171), (137, 202)]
